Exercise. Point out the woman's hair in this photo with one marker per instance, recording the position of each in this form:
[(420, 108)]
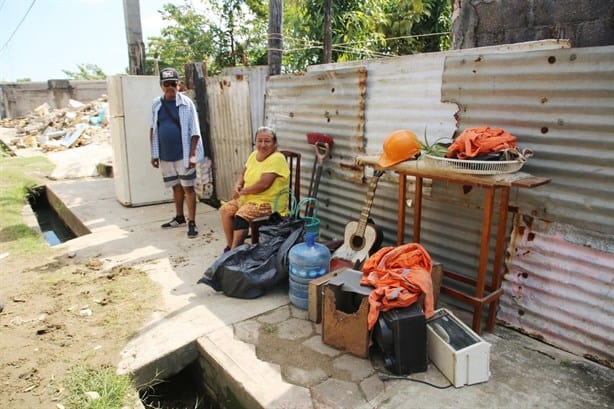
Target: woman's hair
[(268, 130)]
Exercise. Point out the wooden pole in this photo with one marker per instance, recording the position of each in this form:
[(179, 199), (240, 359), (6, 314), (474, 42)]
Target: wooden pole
[(328, 32), (134, 36), (275, 40)]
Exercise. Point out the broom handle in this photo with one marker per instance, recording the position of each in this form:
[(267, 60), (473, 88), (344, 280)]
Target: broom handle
[(321, 150), (313, 175)]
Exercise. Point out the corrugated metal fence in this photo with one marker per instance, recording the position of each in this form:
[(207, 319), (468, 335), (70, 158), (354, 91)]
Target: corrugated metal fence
[(559, 102)]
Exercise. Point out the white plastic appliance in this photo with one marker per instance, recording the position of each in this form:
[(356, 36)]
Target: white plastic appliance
[(137, 183), (456, 350)]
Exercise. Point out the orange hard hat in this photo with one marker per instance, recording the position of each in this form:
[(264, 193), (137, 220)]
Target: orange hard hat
[(399, 146)]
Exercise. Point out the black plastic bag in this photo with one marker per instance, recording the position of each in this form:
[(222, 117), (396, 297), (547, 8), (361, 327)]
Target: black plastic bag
[(249, 270)]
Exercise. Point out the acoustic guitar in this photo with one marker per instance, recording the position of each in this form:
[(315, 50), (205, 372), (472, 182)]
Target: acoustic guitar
[(361, 236)]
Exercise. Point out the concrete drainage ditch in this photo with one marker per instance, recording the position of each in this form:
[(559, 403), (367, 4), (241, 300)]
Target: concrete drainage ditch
[(182, 390), (52, 226), (185, 378)]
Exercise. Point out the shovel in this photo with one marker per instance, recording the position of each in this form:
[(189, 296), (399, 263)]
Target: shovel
[(321, 144)]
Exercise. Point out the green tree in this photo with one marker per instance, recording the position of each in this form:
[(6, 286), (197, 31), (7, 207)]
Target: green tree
[(184, 39), (86, 72), (364, 29), (240, 35), (229, 33), (234, 32)]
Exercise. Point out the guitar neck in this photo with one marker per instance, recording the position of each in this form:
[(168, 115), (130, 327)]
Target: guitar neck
[(366, 210)]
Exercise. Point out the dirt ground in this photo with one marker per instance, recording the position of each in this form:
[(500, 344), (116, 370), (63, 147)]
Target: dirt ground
[(61, 311)]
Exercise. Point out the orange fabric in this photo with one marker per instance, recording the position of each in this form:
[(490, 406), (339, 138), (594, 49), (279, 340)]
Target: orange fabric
[(399, 274), (473, 142)]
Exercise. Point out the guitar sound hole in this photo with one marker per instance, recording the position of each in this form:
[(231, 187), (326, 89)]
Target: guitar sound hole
[(357, 242)]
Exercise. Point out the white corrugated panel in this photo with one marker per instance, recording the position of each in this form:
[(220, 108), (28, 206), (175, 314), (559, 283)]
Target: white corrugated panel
[(256, 77), (231, 129)]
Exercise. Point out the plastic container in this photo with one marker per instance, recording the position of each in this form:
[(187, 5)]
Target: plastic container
[(307, 260), (312, 223)]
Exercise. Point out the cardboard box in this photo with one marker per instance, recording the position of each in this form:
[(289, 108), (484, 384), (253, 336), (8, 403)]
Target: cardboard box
[(315, 295), (458, 352), (345, 313)]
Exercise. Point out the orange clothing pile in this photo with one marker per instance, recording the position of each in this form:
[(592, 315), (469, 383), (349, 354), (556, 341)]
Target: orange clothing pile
[(478, 141), (399, 274)]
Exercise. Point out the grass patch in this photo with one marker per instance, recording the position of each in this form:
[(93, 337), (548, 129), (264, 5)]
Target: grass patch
[(18, 177), (96, 388), (269, 328)]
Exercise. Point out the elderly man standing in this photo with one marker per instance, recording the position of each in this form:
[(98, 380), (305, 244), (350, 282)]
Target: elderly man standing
[(176, 147)]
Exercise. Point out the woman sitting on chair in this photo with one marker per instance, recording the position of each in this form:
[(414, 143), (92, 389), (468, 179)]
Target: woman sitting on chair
[(264, 176)]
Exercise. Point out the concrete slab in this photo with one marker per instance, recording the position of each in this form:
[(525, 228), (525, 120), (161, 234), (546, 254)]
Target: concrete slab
[(69, 164)]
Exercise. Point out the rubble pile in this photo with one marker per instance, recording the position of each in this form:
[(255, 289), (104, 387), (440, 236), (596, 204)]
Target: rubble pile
[(49, 129)]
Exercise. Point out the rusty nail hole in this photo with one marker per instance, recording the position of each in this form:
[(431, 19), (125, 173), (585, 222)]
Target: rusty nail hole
[(474, 71), (544, 100), (551, 59), (521, 312), (291, 114), (544, 129), (332, 90), (525, 275), (531, 236)]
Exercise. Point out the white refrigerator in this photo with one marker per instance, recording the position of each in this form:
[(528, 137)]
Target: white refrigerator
[(137, 183)]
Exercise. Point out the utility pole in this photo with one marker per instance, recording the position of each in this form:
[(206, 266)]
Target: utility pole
[(275, 41), (134, 35), (328, 32)]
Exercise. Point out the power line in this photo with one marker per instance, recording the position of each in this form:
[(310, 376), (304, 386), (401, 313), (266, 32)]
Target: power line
[(18, 25), (311, 44), (347, 47)]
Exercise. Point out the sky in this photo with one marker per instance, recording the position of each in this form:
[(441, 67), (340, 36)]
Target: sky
[(58, 35)]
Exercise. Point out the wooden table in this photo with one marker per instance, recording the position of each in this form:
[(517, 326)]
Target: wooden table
[(485, 293)]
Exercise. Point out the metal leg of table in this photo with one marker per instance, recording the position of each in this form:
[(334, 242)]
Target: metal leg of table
[(401, 210), (483, 263), (499, 255), (417, 209)]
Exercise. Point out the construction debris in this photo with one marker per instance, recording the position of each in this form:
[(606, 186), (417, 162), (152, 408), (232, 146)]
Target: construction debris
[(49, 129)]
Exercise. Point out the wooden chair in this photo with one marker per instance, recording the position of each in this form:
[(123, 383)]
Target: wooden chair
[(294, 184)]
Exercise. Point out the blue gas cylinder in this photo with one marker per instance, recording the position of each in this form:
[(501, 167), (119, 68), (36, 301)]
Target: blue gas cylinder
[(307, 260)]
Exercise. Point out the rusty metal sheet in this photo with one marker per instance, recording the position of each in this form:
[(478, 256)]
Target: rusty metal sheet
[(558, 288)]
